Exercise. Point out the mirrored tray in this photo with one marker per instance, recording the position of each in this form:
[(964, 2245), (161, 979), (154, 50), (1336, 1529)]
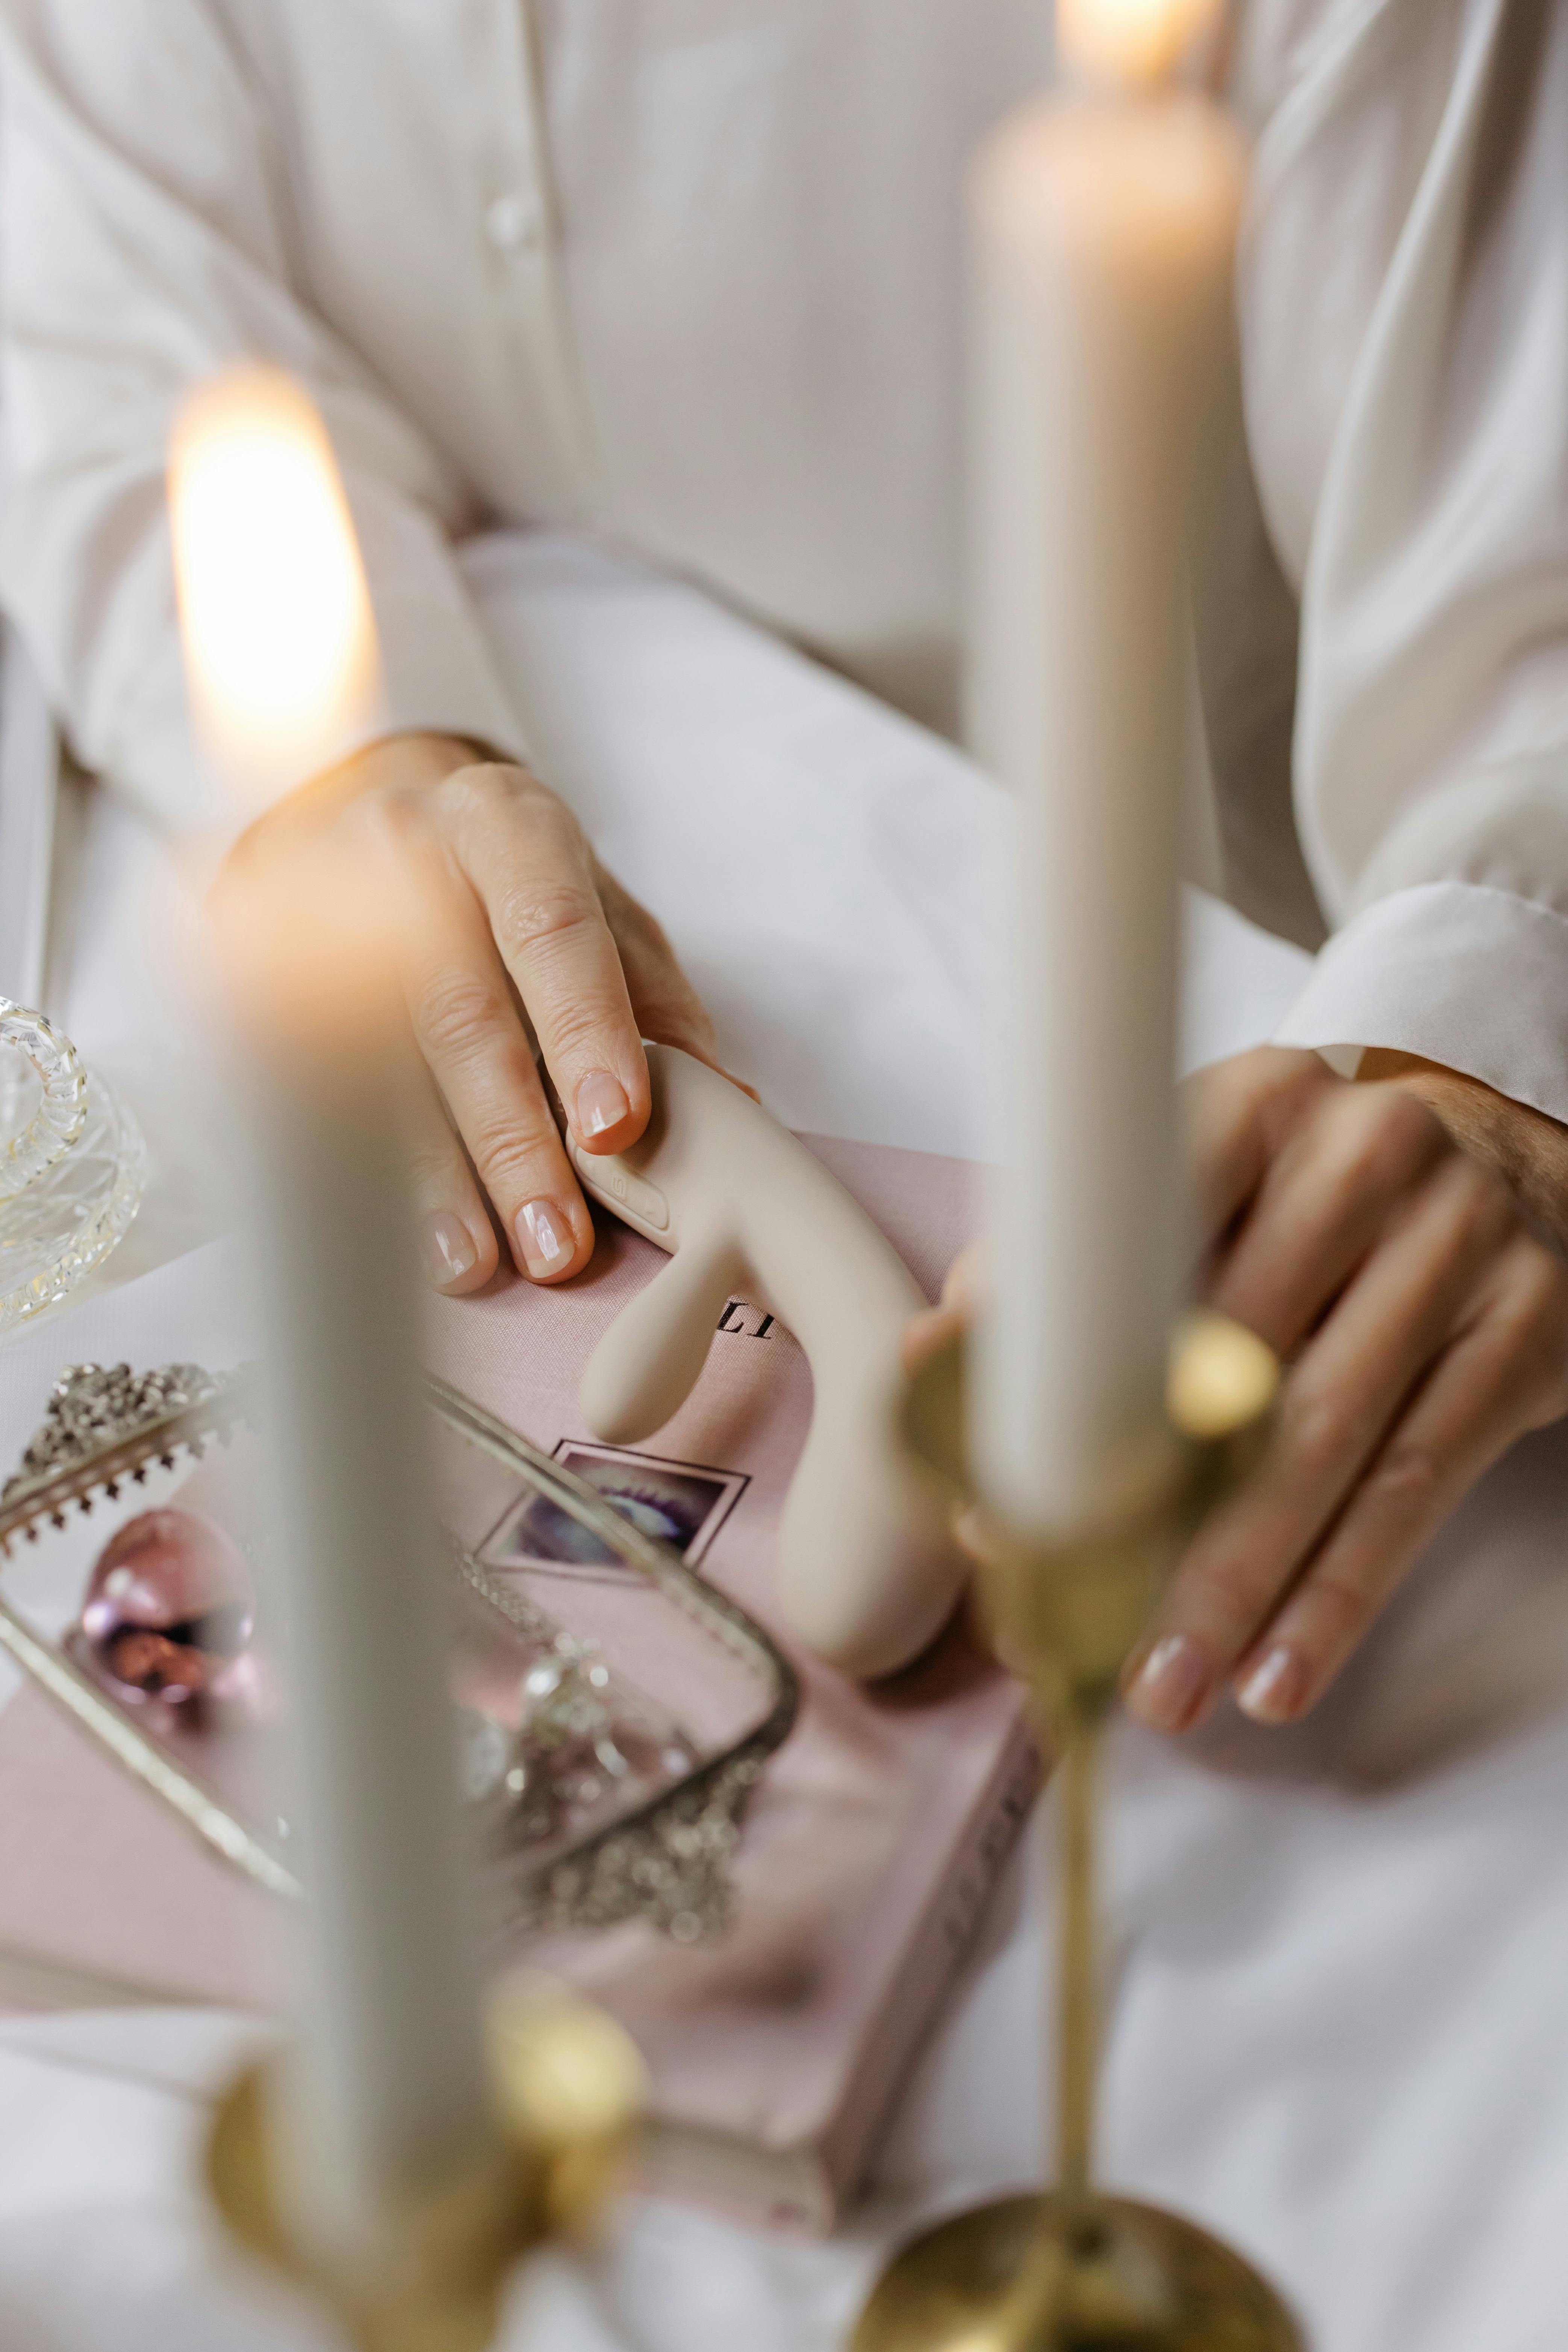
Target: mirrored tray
[(615, 1725)]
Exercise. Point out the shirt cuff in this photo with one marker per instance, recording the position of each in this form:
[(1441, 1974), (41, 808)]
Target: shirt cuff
[(1466, 975), (438, 678)]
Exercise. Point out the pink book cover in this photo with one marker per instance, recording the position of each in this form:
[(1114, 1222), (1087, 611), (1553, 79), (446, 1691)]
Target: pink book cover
[(870, 1843)]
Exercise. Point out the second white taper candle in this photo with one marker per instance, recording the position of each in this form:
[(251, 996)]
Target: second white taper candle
[(1104, 232)]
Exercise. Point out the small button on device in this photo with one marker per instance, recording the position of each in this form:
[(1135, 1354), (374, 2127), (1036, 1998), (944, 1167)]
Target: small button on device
[(613, 1181), (511, 222)]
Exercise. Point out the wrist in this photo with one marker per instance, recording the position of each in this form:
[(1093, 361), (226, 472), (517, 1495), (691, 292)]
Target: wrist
[(1528, 1149), (402, 762), (396, 763)]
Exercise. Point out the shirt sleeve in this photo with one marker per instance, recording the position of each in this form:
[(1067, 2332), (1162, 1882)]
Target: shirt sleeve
[(146, 243), (1404, 304)]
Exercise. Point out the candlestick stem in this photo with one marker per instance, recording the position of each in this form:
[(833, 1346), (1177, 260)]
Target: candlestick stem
[(1078, 2001), (1078, 2269)]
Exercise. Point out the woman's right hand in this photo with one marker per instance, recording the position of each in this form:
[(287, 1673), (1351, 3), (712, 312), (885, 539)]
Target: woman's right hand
[(515, 917)]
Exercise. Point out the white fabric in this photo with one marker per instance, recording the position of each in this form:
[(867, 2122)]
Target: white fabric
[(1511, 1030), (27, 765), (1337, 2028), (1404, 336), (687, 277)]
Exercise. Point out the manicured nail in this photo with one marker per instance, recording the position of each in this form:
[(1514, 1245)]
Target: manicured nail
[(1276, 1687), (601, 1104), (1171, 1684), (545, 1235), (449, 1252)]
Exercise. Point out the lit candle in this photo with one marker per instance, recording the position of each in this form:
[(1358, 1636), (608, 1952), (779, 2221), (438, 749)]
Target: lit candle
[(384, 2088), (1104, 227)]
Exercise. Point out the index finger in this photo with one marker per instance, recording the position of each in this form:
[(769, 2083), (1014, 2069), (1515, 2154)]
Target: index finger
[(527, 860), (1234, 1114), (1349, 1387)]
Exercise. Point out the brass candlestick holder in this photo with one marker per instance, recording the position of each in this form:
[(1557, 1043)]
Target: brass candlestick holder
[(569, 2089), (1076, 2270)]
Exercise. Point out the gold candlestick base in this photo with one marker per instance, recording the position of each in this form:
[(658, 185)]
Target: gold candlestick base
[(1078, 2271), (569, 2088), (1025, 2276)]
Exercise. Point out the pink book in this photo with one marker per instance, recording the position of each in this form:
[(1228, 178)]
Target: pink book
[(871, 1842)]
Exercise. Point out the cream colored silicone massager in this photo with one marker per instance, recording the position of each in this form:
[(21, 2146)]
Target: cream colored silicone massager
[(866, 1573)]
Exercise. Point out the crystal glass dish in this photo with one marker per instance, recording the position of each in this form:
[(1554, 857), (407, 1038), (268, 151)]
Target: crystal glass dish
[(72, 1166)]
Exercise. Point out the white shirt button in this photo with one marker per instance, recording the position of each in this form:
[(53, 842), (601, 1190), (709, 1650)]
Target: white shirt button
[(511, 223)]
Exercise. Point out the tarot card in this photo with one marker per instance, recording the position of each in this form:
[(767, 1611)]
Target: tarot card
[(682, 1504)]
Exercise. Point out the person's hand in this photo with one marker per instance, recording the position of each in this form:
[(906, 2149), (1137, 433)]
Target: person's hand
[(1397, 1240), (513, 916), (1400, 1241)]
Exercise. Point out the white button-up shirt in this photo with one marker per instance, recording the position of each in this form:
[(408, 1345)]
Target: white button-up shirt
[(686, 275)]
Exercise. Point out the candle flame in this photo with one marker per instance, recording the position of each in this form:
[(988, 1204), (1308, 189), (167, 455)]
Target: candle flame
[(1131, 41), (275, 612)]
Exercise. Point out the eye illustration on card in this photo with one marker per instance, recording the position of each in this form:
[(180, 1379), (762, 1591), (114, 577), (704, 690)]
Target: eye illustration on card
[(682, 1504)]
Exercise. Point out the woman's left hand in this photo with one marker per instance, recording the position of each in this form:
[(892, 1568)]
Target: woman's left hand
[(1401, 1244)]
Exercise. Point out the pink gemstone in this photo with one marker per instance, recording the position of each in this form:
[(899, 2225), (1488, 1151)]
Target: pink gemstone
[(170, 1611)]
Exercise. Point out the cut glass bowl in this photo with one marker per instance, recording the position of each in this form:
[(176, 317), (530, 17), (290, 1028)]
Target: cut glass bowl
[(72, 1166)]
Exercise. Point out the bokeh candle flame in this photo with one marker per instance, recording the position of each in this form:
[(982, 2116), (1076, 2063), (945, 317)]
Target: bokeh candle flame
[(275, 612), (283, 678), (1131, 41)]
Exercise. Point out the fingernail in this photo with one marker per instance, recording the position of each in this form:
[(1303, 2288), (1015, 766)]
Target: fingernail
[(1275, 1689), (449, 1252), (601, 1104), (543, 1234), (1171, 1684)]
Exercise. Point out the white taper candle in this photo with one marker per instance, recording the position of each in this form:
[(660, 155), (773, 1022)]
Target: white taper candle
[(1104, 229), (384, 2090)]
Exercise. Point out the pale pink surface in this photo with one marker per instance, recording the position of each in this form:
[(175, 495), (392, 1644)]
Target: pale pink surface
[(95, 1873), (857, 1874), (869, 1845)]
